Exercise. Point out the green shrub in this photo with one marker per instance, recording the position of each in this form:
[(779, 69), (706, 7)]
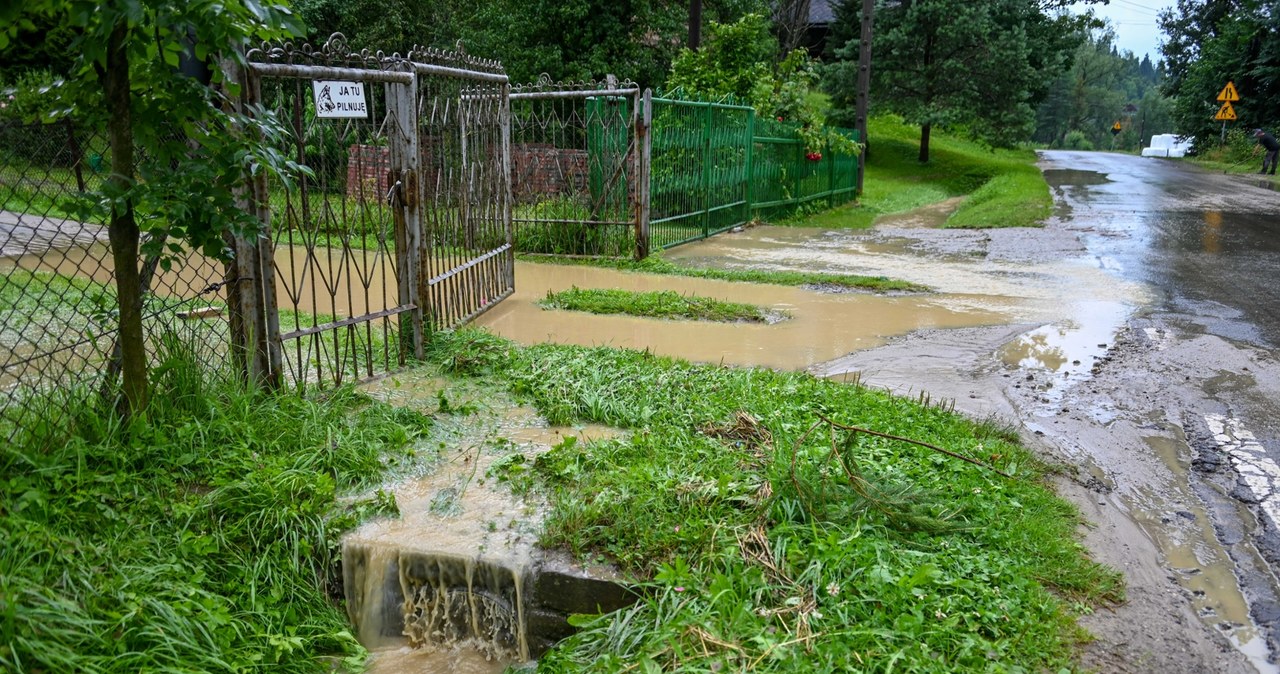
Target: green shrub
[(1077, 140)]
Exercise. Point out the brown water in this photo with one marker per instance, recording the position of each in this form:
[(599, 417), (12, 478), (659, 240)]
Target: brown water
[(319, 281), (822, 327), (1061, 293), (1199, 561), (442, 587)]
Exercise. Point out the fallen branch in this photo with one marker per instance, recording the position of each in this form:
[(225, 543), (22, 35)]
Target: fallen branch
[(890, 436)]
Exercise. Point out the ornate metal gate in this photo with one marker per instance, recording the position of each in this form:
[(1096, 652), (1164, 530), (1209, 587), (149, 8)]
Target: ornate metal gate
[(399, 223)]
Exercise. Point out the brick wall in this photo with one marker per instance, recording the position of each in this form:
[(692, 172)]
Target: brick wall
[(367, 169), (538, 168)]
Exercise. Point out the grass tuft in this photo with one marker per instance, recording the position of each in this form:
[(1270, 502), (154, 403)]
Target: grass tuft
[(768, 541), (655, 264), (657, 304)]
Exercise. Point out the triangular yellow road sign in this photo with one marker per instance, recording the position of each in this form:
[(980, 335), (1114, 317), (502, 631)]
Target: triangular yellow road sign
[(1229, 94), (1226, 113)]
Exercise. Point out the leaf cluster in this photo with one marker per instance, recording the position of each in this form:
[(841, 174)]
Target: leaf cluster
[(194, 147), (740, 61)]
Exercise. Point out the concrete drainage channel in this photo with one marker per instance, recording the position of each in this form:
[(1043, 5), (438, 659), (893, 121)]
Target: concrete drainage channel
[(439, 602), (457, 582)]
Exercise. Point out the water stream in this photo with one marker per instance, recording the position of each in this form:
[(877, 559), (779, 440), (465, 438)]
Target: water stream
[(448, 585)]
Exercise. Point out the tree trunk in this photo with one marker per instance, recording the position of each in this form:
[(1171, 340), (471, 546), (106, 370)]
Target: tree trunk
[(924, 142), (122, 231), (695, 24), (864, 88)]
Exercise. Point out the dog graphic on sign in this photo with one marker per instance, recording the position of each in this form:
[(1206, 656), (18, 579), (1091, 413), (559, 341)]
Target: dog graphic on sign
[(325, 101)]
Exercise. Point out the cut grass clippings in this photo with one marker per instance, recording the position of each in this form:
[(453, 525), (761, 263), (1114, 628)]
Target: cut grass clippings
[(657, 304), (772, 534), (1003, 187), (655, 264)]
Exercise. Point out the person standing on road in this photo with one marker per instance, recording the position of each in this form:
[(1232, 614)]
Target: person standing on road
[(1272, 147)]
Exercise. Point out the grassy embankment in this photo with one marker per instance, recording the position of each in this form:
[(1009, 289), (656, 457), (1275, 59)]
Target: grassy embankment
[(767, 534), (771, 535), (1001, 188), (656, 304), (1241, 154), (202, 537)]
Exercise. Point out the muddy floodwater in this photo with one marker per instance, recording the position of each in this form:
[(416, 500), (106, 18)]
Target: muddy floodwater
[(458, 519), (822, 325), (1070, 305)]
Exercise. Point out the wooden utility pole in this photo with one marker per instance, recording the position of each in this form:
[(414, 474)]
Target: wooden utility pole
[(864, 86)]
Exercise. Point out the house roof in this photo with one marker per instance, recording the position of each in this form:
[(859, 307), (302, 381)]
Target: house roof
[(821, 12)]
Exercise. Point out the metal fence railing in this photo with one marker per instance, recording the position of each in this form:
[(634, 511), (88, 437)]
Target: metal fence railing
[(574, 168), (699, 173), (605, 170), (398, 225), (717, 166), (58, 320)]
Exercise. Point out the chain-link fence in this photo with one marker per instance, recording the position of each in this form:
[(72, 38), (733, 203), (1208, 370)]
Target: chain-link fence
[(58, 318)]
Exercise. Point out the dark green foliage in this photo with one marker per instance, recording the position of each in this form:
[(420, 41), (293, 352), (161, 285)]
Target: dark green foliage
[(1102, 87), (1207, 43), (198, 538), (981, 67), (578, 39)]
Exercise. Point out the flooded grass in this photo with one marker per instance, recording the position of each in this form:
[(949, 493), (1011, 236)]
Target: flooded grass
[(202, 537), (770, 540), (656, 264), (657, 304)]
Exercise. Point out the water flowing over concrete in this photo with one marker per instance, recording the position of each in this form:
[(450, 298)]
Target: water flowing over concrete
[(457, 582)]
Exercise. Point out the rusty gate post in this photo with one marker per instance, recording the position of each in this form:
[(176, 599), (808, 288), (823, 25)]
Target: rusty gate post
[(405, 190), (644, 139), (250, 274)]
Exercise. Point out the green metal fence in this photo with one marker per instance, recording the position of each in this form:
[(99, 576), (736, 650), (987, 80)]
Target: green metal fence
[(603, 169), (716, 166)]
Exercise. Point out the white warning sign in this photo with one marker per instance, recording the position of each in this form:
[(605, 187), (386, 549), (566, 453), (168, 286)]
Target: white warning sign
[(335, 99)]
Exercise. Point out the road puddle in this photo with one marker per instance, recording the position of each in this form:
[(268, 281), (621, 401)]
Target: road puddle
[(1074, 178), (1071, 347), (442, 587), (823, 326), (1182, 529), (1063, 291)]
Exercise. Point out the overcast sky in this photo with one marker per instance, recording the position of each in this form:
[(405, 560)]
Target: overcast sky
[(1134, 22)]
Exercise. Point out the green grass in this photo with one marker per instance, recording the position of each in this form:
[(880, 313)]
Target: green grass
[(1003, 187), (202, 537), (768, 540), (655, 264), (661, 304)]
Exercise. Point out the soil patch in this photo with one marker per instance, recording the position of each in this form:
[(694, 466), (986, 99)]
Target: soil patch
[(931, 216)]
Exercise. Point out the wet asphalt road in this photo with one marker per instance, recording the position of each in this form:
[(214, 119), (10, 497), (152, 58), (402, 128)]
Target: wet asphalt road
[(1209, 243), (1197, 364)]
